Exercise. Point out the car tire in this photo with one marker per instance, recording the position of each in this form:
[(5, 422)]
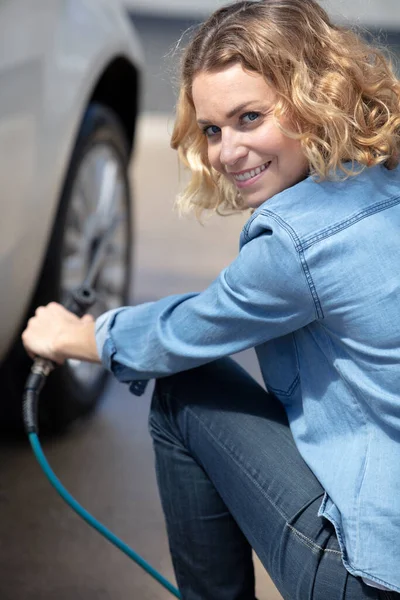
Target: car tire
[(66, 397)]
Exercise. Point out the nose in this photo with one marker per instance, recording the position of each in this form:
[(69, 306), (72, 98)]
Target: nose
[(232, 148)]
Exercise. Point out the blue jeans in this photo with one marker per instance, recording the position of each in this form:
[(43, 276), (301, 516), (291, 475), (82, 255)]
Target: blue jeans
[(231, 479)]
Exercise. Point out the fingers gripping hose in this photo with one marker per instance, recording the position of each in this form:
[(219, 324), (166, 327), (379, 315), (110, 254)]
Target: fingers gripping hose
[(81, 300), (79, 303)]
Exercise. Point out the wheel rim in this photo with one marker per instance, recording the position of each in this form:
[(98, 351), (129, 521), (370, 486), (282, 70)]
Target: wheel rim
[(99, 198)]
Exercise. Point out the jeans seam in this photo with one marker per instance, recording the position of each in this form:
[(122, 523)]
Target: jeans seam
[(254, 481), (308, 542), (303, 538)]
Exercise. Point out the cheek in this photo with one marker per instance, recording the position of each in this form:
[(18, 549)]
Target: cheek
[(283, 147), (213, 158), (294, 164), (291, 151)]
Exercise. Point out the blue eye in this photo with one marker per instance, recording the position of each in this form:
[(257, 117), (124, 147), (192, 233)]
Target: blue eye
[(250, 116), (211, 130)]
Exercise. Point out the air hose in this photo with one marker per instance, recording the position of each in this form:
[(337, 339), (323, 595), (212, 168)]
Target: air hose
[(81, 300)]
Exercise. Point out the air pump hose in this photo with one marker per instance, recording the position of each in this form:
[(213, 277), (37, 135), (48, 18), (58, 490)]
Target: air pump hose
[(40, 370)]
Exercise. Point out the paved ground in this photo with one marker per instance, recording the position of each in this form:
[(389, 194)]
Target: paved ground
[(46, 551)]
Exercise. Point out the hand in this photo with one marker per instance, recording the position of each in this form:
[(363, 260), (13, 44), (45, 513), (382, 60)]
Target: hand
[(45, 330)]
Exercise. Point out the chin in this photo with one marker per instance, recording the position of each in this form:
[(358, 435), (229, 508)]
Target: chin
[(255, 202)]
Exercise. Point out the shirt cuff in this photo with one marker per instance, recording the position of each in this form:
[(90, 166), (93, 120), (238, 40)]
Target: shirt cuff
[(105, 348), (102, 327)]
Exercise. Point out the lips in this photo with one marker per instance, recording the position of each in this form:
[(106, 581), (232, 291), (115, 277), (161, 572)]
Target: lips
[(245, 178)]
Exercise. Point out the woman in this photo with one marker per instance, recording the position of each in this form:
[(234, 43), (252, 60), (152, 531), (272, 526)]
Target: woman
[(282, 112)]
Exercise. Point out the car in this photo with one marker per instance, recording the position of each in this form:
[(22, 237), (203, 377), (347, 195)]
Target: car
[(70, 81)]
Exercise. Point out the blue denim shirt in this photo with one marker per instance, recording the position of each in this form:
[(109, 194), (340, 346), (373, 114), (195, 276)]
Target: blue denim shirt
[(316, 290)]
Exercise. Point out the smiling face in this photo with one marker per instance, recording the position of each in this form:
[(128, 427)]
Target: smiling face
[(234, 109)]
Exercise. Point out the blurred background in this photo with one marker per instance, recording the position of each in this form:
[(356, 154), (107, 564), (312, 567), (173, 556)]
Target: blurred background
[(87, 96), (165, 26)]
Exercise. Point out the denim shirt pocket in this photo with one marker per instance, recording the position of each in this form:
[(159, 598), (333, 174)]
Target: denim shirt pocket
[(279, 367)]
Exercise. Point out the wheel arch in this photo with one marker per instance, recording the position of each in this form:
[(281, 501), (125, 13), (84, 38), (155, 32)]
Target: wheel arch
[(118, 88), (119, 75)]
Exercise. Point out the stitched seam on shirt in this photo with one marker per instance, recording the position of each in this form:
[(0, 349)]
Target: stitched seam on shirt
[(299, 249), (309, 542), (110, 349), (365, 468), (233, 457), (248, 225), (296, 380), (349, 222), (365, 422), (292, 387)]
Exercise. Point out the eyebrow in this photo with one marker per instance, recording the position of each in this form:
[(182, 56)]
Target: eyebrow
[(231, 113)]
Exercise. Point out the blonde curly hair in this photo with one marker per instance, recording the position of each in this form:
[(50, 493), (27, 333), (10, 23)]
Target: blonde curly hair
[(340, 93)]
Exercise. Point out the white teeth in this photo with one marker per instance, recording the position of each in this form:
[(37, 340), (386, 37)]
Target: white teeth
[(252, 173)]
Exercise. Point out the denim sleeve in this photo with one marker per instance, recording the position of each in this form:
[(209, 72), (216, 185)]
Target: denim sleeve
[(263, 294)]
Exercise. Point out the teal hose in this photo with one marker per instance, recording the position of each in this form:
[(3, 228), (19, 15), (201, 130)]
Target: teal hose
[(65, 495)]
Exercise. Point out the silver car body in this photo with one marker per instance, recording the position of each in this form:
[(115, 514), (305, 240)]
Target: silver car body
[(52, 55)]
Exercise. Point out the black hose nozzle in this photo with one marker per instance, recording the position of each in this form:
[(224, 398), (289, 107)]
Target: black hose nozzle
[(40, 369), (80, 300)]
